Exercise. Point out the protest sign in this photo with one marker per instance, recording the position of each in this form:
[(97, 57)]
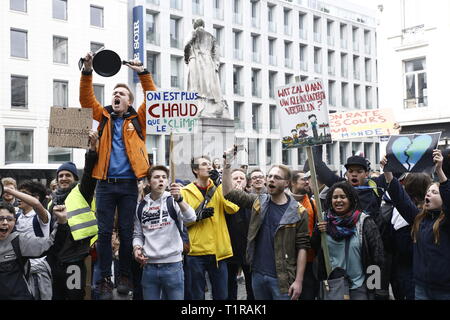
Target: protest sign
[(303, 112), (69, 127), (362, 124), (411, 152), (171, 112)]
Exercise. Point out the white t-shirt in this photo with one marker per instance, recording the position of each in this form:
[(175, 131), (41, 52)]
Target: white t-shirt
[(25, 224)]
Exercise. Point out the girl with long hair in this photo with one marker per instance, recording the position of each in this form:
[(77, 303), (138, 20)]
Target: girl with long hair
[(430, 232)]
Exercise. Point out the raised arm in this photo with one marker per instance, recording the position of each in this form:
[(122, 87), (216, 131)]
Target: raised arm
[(324, 174), (88, 184), (32, 201), (444, 185), (87, 95), (402, 202)]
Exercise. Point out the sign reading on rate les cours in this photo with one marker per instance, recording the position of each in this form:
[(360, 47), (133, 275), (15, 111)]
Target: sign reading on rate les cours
[(362, 123), (171, 111), (303, 112)]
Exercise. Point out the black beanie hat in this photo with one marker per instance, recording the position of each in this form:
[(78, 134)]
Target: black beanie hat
[(68, 166)]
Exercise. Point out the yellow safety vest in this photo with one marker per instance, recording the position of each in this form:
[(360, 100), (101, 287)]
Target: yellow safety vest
[(81, 217)]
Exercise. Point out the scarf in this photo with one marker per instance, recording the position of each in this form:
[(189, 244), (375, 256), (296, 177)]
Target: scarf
[(340, 228), (60, 195)]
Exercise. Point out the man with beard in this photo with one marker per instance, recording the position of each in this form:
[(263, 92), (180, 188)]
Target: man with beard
[(301, 192), (277, 237), (67, 257)]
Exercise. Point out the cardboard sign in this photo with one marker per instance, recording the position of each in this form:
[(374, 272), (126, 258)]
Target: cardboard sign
[(411, 152), (171, 111), (303, 112), (69, 127), (362, 123)]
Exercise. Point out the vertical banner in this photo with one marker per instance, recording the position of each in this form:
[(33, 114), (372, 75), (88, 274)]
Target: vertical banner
[(303, 112), (138, 36), (411, 152)]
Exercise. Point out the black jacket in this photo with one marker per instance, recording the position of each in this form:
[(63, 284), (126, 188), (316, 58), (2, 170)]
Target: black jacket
[(238, 229), (431, 262), (69, 250), (372, 252)]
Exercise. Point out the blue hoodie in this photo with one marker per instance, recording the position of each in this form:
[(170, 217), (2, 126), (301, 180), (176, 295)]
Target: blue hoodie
[(431, 262)]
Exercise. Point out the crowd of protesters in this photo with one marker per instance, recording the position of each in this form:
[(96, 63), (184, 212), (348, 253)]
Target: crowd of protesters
[(125, 221)]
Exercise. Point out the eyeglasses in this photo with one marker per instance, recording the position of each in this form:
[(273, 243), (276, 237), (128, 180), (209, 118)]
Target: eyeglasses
[(275, 177), (7, 218), (257, 177)]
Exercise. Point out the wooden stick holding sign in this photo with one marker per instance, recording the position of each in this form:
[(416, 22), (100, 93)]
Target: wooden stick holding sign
[(172, 164), (323, 235)]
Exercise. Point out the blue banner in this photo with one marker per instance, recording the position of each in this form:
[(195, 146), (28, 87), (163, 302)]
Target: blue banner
[(138, 36)]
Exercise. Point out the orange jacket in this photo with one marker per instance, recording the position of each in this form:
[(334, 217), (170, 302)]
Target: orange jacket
[(307, 203), (134, 145)]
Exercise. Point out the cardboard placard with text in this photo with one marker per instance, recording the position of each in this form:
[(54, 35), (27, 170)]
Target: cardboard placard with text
[(362, 124), (303, 114), (171, 112), (69, 127)]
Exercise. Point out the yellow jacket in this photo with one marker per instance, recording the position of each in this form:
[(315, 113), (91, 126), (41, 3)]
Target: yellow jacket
[(210, 236)]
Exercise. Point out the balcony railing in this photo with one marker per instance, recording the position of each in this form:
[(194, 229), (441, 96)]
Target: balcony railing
[(287, 30), (176, 4), (368, 49), (256, 23), (317, 68), (256, 57), (237, 18), (331, 70), (238, 89), (257, 126), (303, 34), (343, 43), (272, 60), (317, 37), (356, 75), (418, 102), (355, 46), (176, 43), (330, 40), (153, 38), (272, 27), (288, 62), (218, 14), (368, 77), (239, 125), (237, 54), (303, 65)]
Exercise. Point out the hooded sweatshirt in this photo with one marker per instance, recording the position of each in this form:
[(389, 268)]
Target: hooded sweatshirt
[(157, 232)]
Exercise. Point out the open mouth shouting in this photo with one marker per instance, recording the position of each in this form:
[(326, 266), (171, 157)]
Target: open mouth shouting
[(116, 101), (354, 181)]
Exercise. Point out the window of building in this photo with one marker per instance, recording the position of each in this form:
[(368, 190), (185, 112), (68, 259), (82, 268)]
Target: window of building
[(271, 18), (367, 42), (317, 29), (256, 55), (18, 146), (153, 66), (272, 79), (368, 151), (18, 5), (331, 67), (97, 16), (356, 69), (218, 34), (176, 80), (269, 152), (237, 44), (301, 156), (19, 43), (19, 92), (287, 22), (286, 157), (175, 40), (330, 32), (331, 92), (60, 49), (344, 65), (344, 94), (253, 152), (288, 78), (256, 88), (272, 50), (176, 4), (256, 120), (60, 9), (317, 60), (357, 96), (237, 12), (238, 116), (60, 93), (59, 155), (369, 99), (99, 92), (303, 57), (343, 147), (237, 87), (152, 34), (343, 35), (273, 118), (96, 46), (302, 26), (368, 69), (255, 14), (222, 79), (355, 39), (330, 153)]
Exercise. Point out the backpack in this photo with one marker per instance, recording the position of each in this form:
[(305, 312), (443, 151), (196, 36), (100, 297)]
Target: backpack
[(36, 226), (23, 262), (173, 214), (134, 121), (383, 222)]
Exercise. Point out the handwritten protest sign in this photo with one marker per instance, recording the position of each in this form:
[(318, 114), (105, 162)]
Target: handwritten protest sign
[(171, 112), (411, 152), (69, 127), (362, 123), (303, 112)]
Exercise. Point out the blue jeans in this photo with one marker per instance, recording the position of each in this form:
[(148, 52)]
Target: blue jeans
[(426, 293), (110, 196), (163, 281), (267, 288), (218, 276)]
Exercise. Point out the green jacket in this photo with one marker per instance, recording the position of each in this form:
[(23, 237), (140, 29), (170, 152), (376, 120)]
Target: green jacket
[(291, 235)]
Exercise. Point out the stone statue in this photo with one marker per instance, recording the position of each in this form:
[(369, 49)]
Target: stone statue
[(201, 56)]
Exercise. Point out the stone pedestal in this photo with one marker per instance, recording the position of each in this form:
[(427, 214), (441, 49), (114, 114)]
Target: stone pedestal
[(213, 137)]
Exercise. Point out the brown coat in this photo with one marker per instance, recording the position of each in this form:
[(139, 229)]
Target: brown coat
[(134, 145)]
